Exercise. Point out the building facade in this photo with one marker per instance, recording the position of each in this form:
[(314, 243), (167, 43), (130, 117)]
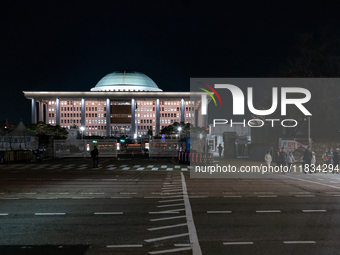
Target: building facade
[(122, 103)]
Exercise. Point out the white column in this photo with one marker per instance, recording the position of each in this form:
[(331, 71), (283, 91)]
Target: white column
[(182, 110), (108, 117), (33, 111), (157, 118), (57, 111), (133, 118)]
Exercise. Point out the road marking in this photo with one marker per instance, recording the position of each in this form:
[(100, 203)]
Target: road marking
[(125, 246), (169, 226), (169, 169), (111, 168), (172, 196), (219, 211), (236, 243), (164, 166), (120, 197), (314, 210), (140, 168), (163, 212), (171, 190), (297, 242), (173, 200), (150, 166), (127, 193), (259, 193), (232, 196), (332, 186), (3, 214), (84, 179), (9, 198), (184, 169), (171, 250), (269, 211), (267, 196), (177, 166), (42, 214), (304, 195), (169, 218), (136, 166), (169, 205), (107, 213), (47, 198), (196, 249), (109, 179), (108, 165), (126, 168), (165, 238), (82, 197), (123, 166), (197, 196), (32, 193), (154, 169)]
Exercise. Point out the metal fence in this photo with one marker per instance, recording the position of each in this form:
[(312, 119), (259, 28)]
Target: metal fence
[(82, 148)]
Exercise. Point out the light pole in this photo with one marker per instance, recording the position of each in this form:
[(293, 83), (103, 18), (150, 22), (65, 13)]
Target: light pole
[(82, 132), (179, 131)]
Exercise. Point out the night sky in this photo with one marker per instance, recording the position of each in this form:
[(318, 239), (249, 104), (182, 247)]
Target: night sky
[(71, 45)]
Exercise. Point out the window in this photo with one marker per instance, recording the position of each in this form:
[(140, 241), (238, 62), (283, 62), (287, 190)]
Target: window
[(87, 114), (61, 121), (49, 115), (61, 115), (52, 115)]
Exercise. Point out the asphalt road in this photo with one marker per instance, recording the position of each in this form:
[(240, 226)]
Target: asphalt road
[(154, 207)]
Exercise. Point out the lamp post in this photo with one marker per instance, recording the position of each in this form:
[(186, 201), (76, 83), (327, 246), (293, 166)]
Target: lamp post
[(179, 131), (82, 132)]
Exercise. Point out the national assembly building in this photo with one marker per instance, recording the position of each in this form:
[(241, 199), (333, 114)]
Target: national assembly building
[(122, 103)]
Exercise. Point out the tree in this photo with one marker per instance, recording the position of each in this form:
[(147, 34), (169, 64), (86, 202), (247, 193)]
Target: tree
[(315, 60), (174, 129), (41, 129)]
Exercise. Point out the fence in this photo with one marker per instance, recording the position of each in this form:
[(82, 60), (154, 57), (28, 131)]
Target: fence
[(163, 149), (82, 148)]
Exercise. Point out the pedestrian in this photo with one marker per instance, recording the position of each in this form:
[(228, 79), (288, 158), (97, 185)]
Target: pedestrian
[(330, 156), (283, 157), (307, 160), (268, 159), (220, 149), (95, 157), (336, 161), (290, 159), (277, 156), (313, 158)]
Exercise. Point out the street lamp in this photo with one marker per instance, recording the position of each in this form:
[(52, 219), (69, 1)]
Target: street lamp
[(82, 132), (179, 129)]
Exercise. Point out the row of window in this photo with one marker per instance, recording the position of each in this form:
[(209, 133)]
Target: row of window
[(95, 127), (94, 115), (96, 121)]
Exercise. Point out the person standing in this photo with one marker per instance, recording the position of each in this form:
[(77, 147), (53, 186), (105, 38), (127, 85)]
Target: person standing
[(283, 157), (95, 157), (268, 159), (277, 156), (220, 149), (336, 161), (290, 159), (307, 159), (313, 158)]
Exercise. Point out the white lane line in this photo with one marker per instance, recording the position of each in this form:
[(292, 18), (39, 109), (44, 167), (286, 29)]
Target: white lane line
[(177, 166), (303, 192), (32, 193), (109, 179), (9, 198), (169, 205), (332, 186), (172, 196), (169, 218), (173, 200), (170, 250), (154, 169), (268, 211), (123, 165), (237, 243), (232, 196), (267, 196), (125, 246), (169, 169), (111, 168), (43, 214), (165, 238), (219, 211), (136, 166), (163, 212), (84, 179), (140, 168), (170, 193), (3, 214), (314, 211), (262, 193), (173, 187), (196, 249), (150, 166), (106, 166), (297, 242), (120, 197), (126, 168), (184, 169), (107, 213), (47, 198), (169, 226), (153, 197), (171, 190), (127, 193), (304, 195), (82, 197), (164, 166)]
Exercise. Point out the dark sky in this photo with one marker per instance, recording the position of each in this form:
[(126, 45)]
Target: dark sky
[(71, 45)]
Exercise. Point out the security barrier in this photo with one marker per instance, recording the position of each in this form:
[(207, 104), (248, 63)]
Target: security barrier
[(196, 158), (15, 156)]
